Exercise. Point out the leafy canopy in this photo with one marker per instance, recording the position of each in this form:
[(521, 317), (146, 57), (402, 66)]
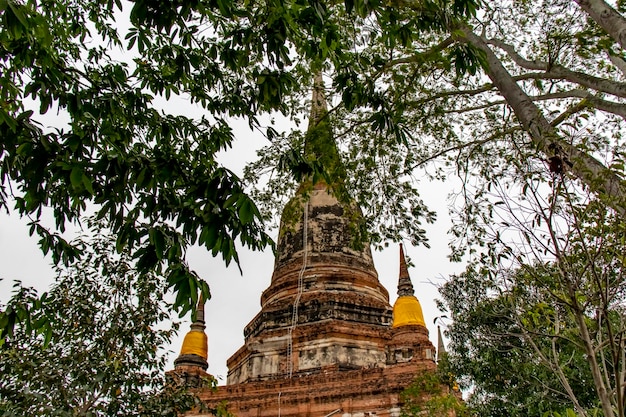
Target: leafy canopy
[(91, 345), (88, 121), (539, 313)]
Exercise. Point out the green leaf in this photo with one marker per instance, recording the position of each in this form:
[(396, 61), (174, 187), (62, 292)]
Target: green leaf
[(246, 211), (76, 177), (87, 184), (17, 11), (48, 336), (212, 235), (158, 239)]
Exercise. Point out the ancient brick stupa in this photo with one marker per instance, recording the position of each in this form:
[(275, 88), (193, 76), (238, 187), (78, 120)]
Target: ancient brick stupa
[(326, 341)]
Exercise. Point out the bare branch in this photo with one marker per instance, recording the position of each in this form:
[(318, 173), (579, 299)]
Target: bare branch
[(589, 100), (560, 72), (619, 63), (421, 57)]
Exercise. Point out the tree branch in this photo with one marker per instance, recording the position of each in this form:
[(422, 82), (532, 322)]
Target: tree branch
[(544, 136), (607, 17), (558, 71), (421, 57), (619, 63)]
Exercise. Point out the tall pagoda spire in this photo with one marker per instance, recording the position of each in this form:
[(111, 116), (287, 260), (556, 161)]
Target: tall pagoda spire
[(323, 342), (319, 106), (318, 207), (320, 145), (324, 292)]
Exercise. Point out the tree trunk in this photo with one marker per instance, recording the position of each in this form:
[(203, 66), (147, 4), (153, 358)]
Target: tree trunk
[(596, 372), (607, 17), (543, 135)]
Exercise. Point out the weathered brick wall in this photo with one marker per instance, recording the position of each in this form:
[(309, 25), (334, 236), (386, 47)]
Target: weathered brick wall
[(361, 392)]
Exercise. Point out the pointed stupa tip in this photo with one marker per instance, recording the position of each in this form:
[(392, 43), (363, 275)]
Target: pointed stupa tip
[(200, 312), (407, 309), (319, 142), (405, 286), (441, 347), (319, 107), (195, 348)]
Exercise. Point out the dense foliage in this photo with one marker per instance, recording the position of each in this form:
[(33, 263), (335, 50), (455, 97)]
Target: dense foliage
[(538, 317), (92, 345), (434, 394), (90, 121)]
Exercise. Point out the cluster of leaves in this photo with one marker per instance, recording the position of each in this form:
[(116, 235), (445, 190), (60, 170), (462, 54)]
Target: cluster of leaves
[(151, 174), (92, 345), (431, 394), (489, 353)]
